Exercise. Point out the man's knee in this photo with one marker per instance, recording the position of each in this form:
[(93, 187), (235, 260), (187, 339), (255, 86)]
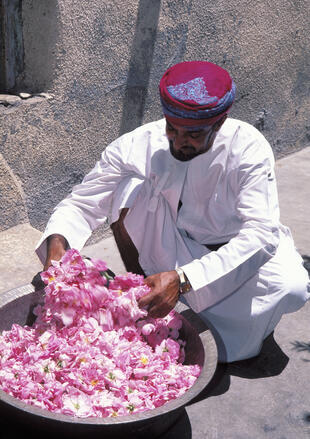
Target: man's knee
[(126, 247), (119, 224)]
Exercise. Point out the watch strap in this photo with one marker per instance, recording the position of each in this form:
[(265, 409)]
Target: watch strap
[(185, 285)]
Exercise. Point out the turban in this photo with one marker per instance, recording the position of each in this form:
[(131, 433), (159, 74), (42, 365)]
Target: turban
[(196, 93)]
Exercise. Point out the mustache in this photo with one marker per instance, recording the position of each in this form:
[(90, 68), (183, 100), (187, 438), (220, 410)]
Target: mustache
[(187, 147)]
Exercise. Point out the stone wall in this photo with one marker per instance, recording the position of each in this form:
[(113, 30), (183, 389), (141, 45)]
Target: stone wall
[(91, 71)]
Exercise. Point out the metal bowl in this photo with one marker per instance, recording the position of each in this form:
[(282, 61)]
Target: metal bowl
[(16, 307)]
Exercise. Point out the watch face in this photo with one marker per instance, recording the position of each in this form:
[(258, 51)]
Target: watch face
[(185, 287)]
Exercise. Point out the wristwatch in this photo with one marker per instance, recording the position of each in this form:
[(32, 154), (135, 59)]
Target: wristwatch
[(185, 285)]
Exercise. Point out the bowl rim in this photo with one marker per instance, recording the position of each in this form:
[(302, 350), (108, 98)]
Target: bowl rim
[(206, 375)]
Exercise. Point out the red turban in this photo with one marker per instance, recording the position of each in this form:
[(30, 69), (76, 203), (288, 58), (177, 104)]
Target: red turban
[(196, 93)]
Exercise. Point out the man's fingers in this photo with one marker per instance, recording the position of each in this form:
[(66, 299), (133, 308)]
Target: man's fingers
[(47, 265), (154, 306), (163, 296), (149, 281), (145, 300), (156, 311)]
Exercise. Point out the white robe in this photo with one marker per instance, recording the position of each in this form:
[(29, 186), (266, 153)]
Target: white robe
[(228, 195)]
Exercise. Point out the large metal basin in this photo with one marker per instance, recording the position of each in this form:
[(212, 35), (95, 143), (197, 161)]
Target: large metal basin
[(16, 307)]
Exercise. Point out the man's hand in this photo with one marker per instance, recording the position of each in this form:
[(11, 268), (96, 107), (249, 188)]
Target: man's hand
[(56, 248), (164, 295)]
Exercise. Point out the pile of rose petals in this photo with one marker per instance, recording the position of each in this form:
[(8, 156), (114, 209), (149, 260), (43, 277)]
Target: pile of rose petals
[(92, 351)]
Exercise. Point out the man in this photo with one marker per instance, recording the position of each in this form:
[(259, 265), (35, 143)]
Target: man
[(192, 202)]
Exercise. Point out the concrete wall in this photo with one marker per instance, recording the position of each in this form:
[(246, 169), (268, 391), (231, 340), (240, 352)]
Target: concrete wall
[(101, 62)]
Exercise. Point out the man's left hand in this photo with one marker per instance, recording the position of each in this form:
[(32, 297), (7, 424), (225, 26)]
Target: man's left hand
[(164, 295)]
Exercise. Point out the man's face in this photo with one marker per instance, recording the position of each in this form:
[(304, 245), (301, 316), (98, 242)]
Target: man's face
[(187, 143)]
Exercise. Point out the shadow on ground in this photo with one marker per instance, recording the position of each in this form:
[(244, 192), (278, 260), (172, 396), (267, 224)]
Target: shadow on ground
[(306, 262), (271, 362)]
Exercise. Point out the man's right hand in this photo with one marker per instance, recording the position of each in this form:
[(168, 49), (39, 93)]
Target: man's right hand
[(56, 248)]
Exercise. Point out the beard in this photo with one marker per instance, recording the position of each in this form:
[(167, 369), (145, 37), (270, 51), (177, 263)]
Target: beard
[(188, 152)]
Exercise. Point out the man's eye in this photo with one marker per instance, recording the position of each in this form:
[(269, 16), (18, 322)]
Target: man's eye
[(195, 135)]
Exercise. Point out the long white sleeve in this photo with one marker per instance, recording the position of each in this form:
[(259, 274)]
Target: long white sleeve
[(256, 205), (116, 175)]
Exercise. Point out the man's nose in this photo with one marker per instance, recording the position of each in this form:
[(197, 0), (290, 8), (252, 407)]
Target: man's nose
[(180, 141)]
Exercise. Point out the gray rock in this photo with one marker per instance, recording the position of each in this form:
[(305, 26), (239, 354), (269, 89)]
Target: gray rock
[(9, 100), (45, 95), (35, 100), (25, 95)]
